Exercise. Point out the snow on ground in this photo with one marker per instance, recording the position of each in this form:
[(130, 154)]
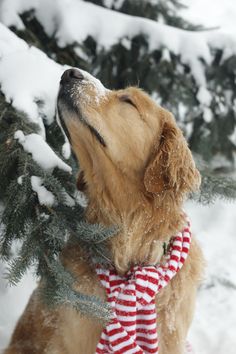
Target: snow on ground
[(12, 302), (213, 328)]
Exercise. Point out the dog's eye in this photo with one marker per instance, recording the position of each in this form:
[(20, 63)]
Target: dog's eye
[(127, 99)]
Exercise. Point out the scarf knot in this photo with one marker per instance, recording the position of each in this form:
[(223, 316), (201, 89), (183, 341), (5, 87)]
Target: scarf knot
[(133, 327)]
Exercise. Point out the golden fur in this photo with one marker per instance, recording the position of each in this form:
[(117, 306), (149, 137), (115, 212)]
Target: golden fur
[(136, 170)]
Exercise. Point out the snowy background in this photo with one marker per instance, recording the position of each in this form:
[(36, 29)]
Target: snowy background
[(213, 330)]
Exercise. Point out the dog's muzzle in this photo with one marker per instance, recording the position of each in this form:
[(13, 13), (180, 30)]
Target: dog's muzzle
[(72, 81)]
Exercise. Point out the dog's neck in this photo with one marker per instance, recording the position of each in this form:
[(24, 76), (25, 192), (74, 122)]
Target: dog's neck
[(145, 225)]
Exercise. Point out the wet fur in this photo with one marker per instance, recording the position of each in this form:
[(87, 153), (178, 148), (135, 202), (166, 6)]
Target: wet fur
[(143, 193)]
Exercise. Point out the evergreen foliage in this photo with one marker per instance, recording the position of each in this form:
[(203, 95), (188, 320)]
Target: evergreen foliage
[(215, 186), (42, 231)]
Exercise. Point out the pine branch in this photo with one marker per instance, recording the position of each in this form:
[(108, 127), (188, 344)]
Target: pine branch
[(57, 289), (94, 233), (215, 187), (43, 231)]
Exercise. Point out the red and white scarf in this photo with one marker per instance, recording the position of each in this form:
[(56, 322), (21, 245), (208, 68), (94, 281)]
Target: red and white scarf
[(133, 328)]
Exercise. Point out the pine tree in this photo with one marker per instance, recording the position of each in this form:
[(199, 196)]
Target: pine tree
[(209, 124)]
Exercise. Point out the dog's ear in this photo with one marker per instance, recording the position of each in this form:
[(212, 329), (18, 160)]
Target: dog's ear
[(171, 166), (81, 185)]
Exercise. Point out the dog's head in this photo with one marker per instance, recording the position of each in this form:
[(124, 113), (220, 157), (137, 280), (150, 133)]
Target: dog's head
[(124, 141)]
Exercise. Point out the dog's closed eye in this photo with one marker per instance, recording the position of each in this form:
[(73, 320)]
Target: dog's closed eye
[(127, 99)]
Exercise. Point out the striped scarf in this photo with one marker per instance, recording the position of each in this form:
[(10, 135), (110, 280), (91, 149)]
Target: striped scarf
[(133, 327)]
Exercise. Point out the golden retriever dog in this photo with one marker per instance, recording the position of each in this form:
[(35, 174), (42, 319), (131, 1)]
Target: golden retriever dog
[(136, 171)]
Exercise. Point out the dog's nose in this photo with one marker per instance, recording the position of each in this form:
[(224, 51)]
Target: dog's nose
[(71, 74)]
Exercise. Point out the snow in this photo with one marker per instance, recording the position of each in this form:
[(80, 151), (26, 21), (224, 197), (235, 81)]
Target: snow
[(166, 55), (10, 9), (28, 77), (30, 81), (100, 90), (211, 13), (66, 150), (68, 21), (207, 114), (45, 197), (41, 151), (233, 136), (20, 180), (204, 96), (116, 3)]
